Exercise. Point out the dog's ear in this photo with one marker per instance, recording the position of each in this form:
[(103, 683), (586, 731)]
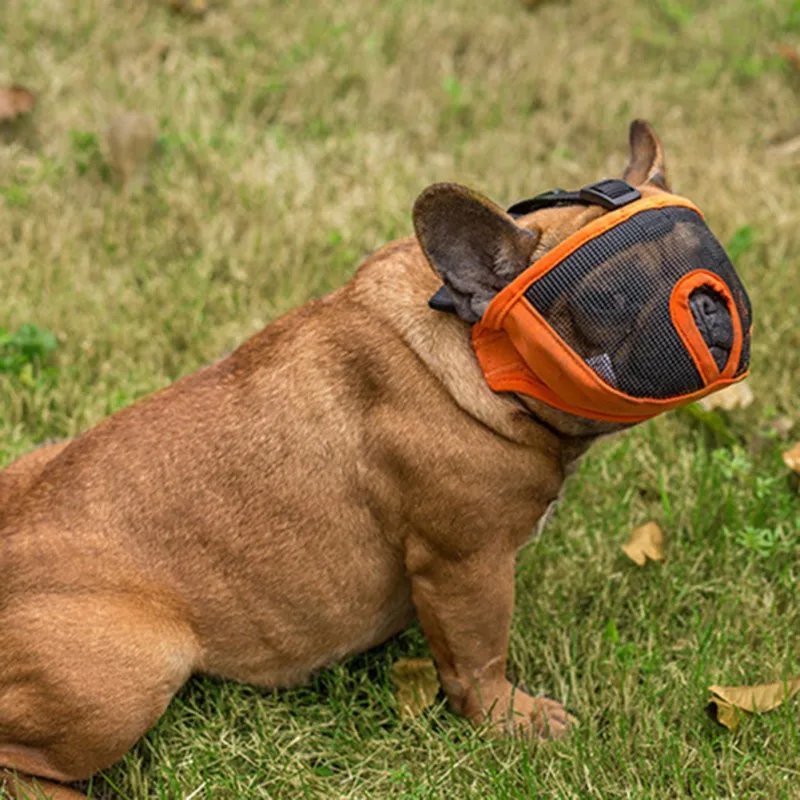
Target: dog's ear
[(473, 245), (646, 163)]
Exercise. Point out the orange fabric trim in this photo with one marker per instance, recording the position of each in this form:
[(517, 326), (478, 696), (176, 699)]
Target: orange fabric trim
[(683, 321), (502, 302), (506, 371)]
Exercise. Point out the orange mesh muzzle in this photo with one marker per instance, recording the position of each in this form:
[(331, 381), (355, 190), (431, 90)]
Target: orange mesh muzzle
[(542, 335)]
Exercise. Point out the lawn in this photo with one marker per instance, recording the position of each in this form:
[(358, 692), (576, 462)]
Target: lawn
[(293, 139)]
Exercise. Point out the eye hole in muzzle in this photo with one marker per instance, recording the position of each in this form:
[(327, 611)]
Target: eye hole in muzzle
[(713, 320)]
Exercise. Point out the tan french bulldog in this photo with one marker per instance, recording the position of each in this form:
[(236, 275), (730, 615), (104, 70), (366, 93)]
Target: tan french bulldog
[(343, 471)]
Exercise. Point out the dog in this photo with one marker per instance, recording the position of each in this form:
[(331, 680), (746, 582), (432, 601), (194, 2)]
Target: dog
[(342, 472)]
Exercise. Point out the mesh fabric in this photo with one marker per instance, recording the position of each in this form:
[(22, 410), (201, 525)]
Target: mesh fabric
[(610, 301)]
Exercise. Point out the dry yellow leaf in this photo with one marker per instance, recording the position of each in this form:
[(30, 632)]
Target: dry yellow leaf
[(416, 683), (645, 542), (724, 713), (15, 101), (792, 458), (762, 697), (737, 395)]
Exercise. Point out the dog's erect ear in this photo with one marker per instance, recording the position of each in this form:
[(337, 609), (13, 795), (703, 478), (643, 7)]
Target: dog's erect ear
[(473, 245), (647, 157)]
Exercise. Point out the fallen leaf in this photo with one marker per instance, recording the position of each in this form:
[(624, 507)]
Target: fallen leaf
[(791, 55), (737, 395), (723, 713), (792, 458), (15, 101), (761, 697), (131, 137), (416, 683), (645, 542), (192, 8)]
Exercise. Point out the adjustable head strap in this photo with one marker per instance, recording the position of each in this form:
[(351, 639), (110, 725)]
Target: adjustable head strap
[(611, 194)]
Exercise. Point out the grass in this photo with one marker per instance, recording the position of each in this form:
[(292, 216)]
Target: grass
[(294, 138)]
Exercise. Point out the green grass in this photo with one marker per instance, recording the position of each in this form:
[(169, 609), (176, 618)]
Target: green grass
[(294, 138)]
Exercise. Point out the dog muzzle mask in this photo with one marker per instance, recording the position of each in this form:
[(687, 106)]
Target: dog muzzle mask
[(634, 314)]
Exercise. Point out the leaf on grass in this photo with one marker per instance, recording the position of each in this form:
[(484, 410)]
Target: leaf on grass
[(737, 395), (15, 101), (191, 8), (791, 55), (792, 458), (726, 700), (645, 542), (416, 684), (723, 713)]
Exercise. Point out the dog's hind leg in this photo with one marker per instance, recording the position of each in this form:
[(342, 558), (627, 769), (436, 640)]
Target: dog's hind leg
[(82, 677), (15, 786)]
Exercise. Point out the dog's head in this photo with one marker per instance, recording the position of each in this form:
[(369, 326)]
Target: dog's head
[(607, 314)]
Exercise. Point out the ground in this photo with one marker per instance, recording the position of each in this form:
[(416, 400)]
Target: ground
[(294, 137)]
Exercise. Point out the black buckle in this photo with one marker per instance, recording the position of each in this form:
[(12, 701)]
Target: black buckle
[(611, 193)]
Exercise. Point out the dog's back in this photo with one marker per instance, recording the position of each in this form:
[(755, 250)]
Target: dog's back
[(21, 474)]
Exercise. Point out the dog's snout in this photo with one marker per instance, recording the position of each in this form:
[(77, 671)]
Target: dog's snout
[(713, 320)]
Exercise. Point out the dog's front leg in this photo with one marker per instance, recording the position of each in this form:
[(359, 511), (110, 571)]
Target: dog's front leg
[(464, 605)]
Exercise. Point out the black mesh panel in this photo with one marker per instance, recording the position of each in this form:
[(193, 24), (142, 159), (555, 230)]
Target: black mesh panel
[(609, 300)]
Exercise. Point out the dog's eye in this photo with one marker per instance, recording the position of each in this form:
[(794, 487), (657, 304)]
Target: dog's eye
[(604, 306), (611, 302)]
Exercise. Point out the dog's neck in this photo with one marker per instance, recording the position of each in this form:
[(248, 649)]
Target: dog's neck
[(400, 277)]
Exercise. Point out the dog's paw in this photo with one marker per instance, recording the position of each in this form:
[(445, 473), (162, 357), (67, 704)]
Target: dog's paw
[(550, 720), (540, 718)]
